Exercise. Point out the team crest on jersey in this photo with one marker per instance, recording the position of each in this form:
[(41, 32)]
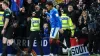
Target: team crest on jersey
[(57, 15)]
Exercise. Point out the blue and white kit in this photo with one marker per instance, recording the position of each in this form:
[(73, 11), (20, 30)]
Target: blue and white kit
[(55, 22)]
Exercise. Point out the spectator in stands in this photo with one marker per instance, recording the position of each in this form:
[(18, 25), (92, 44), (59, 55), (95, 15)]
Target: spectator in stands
[(74, 14), (81, 5), (94, 32), (16, 5), (83, 20), (36, 1), (46, 30), (44, 17), (42, 3), (83, 35), (29, 8), (59, 9), (22, 22), (38, 12), (83, 25), (44, 21), (64, 4)]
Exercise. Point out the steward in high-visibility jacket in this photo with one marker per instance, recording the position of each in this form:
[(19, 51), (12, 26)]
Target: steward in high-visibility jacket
[(1, 18), (35, 34), (68, 28), (35, 24), (67, 23)]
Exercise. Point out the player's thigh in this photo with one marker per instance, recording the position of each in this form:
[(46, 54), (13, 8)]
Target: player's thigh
[(57, 36), (54, 32)]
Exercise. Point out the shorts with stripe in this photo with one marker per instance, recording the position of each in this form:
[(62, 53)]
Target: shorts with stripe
[(54, 33)]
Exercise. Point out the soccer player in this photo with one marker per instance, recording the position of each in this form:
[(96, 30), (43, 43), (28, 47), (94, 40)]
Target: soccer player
[(8, 29), (56, 26)]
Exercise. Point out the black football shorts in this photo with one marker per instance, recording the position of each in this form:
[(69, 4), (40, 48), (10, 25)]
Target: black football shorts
[(9, 32)]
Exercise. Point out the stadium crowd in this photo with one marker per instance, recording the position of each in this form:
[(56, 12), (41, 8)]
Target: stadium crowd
[(85, 16)]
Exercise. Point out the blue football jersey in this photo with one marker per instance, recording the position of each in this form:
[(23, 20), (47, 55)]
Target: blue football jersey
[(55, 20)]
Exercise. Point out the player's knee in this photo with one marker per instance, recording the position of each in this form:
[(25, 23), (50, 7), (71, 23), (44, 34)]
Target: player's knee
[(4, 40), (10, 42)]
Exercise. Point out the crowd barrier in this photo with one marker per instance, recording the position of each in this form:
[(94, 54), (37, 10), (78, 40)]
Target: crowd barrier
[(76, 48), (24, 42)]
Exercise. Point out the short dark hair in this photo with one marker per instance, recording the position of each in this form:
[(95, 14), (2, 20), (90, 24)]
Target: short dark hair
[(70, 5), (50, 3), (6, 3)]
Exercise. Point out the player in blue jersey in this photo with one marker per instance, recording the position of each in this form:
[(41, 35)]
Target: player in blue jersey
[(56, 25)]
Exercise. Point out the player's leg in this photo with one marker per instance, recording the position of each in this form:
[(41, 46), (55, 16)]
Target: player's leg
[(60, 44), (52, 46), (55, 35), (52, 35), (57, 39), (4, 41), (51, 40), (61, 38)]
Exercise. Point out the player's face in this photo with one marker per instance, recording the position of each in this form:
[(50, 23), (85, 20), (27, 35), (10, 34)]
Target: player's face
[(48, 7), (3, 6)]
